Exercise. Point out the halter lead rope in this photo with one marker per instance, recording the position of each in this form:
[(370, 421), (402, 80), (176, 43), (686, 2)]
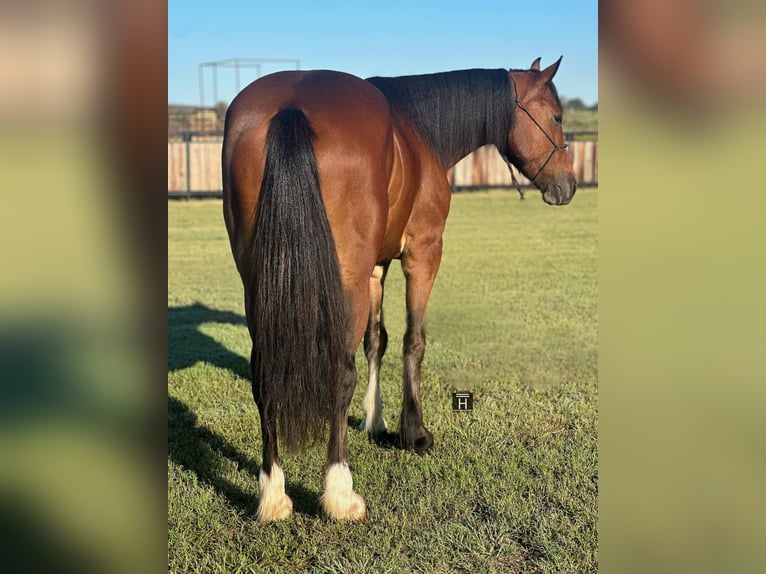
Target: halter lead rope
[(556, 147), (513, 177)]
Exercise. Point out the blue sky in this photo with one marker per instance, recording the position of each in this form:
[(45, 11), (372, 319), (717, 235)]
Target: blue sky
[(388, 38)]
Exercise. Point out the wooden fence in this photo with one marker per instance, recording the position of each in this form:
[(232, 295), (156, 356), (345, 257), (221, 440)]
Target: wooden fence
[(194, 165)]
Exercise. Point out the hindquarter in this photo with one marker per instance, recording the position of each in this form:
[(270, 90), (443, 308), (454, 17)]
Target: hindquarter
[(353, 148)]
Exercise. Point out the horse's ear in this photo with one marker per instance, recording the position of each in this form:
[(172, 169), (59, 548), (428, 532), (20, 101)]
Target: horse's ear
[(547, 74), (535, 65)]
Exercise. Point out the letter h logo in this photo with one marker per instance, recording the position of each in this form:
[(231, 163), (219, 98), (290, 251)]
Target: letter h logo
[(462, 401)]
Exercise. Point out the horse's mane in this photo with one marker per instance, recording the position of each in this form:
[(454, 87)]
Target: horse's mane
[(455, 112)]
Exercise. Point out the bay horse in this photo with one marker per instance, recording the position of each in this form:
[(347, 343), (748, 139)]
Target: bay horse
[(327, 178)]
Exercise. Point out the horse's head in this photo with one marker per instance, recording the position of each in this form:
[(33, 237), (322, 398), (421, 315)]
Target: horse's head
[(536, 139)]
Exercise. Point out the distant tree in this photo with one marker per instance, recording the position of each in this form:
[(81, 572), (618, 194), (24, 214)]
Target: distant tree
[(574, 104)]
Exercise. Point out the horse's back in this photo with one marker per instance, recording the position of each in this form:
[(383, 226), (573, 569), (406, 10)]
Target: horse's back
[(353, 147)]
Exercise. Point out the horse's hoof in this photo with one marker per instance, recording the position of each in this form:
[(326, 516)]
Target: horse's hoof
[(344, 506), (339, 500), (424, 443), (270, 510), (377, 427), (420, 445), (274, 503)]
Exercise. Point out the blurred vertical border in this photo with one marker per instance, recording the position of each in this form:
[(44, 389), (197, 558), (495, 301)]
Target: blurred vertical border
[(682, 345), (82, 298)]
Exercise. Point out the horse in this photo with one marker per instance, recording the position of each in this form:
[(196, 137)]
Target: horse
[(328, 177)]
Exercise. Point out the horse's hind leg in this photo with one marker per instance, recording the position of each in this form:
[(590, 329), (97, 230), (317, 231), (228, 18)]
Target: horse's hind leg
[(375, 342), (274, 504), (339, 499)]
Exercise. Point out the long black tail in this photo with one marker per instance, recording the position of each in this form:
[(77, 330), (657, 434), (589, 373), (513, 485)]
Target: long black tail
[(299, 315)]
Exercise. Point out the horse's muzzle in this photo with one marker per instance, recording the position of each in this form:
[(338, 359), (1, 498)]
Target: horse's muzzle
[(560, 192)]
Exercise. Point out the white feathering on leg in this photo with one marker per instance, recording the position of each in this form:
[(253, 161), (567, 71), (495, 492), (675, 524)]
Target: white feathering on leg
[(373, 422), (339, 499), (274, 503)]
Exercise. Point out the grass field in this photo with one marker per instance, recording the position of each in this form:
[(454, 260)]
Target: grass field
[(509, 487)]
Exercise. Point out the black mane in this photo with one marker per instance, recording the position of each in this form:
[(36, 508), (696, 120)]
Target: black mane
[(455, 112)]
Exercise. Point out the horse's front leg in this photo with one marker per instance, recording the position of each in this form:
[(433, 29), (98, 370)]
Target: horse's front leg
[(375, 342), (420, 264)]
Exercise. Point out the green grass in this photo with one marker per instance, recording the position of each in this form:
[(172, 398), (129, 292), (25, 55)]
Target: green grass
[(510, 487)]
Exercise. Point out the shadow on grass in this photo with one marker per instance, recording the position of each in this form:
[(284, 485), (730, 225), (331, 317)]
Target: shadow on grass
[(204, 452), (188, 345), (387, 440), (196, 447)]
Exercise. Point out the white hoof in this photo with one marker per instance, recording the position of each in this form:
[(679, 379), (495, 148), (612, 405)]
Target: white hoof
[(274, 503), (376, 426), (339, 500)]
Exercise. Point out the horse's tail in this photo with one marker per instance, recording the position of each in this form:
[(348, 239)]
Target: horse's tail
[(298, 312)]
